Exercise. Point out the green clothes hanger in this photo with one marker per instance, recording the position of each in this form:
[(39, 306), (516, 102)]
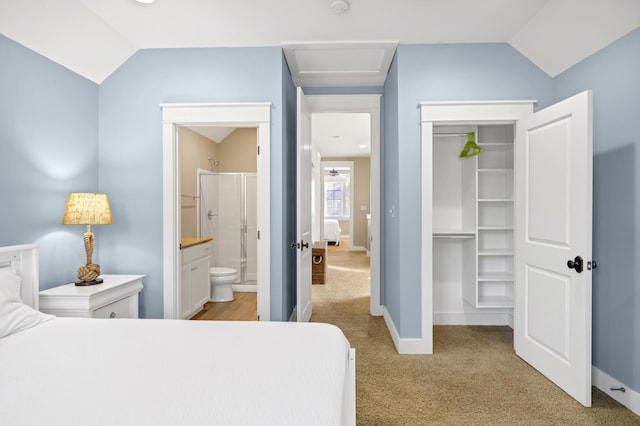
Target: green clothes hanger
[(471, 148)]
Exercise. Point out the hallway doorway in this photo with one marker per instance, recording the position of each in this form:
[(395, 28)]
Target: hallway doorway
[(367, 230)]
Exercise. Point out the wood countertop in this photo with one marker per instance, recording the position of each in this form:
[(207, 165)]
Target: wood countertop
[(193, 241)]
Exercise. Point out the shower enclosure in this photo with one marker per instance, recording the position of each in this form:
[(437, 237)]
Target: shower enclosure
[(228, 214)]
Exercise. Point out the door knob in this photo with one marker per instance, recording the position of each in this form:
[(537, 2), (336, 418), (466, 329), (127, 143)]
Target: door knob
[(576, 264), (303, 245)]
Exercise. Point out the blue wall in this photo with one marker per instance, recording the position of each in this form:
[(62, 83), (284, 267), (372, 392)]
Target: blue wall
[(130, 157), (614, 76), (434, 73), (48, 148)]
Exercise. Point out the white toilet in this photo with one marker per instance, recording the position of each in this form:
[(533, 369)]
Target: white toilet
[(221, 280)]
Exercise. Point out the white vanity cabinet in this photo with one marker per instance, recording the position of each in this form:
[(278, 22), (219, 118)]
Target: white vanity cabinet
[(194, 288)]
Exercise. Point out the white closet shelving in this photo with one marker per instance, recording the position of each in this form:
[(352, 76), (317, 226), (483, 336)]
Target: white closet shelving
[(494, 284), (473, 214)]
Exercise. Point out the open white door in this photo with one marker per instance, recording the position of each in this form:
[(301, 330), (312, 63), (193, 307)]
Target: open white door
[(303, 229), (553, 189)]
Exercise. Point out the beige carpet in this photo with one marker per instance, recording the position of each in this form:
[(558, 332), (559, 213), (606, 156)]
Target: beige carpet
[(473, 378)]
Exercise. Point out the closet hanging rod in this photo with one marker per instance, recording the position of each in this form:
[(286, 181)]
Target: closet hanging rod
[(452, 134), (453, 236), (190, 196)]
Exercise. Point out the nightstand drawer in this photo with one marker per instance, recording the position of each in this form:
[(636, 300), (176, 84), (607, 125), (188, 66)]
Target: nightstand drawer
[(119, 309)]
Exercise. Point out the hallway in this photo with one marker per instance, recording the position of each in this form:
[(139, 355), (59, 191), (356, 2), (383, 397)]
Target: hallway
[(348, 275)]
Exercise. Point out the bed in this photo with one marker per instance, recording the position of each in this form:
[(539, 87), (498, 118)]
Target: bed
[(332, 231), (63, 371)]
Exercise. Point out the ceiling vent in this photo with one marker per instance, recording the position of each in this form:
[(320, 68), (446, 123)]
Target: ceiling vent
[(339, 7)]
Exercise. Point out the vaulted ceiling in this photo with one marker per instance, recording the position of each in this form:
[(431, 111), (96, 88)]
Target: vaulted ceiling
[(322, 47), (94, 37)]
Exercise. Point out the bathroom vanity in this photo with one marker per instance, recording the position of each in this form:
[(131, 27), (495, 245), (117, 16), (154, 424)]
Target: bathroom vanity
[(195, 262)]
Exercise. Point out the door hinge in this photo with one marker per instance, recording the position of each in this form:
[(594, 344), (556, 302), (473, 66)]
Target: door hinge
[(258, 149), (258, 234)]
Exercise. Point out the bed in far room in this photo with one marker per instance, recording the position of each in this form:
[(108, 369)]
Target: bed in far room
[(71, 371), (332, 231)]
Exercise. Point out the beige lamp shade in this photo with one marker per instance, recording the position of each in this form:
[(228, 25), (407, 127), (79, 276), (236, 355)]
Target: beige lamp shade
[(87, 208)]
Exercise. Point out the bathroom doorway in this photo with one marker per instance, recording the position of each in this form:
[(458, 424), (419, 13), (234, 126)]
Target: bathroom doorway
[(254, 116), (225, 210)]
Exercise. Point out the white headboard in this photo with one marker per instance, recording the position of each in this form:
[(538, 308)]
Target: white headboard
[(24, 260)]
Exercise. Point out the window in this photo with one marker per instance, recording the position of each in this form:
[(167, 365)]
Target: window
[(337, 192)]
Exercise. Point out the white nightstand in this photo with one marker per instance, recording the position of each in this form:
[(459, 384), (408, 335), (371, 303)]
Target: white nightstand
[(116, 297)]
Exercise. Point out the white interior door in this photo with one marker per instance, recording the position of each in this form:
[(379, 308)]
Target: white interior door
[(553, 156), (303, 231)]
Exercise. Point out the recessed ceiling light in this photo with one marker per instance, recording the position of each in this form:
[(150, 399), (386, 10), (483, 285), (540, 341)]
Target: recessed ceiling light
[(362, 146), (146, 1)]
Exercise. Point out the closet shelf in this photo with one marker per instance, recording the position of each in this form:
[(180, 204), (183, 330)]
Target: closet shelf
[(495, 302), (495, 276), (495, 252), (495, 170), (495, 200), (495, 228)]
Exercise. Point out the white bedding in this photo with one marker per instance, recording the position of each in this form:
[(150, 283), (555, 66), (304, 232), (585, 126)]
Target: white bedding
[(80, 371), (332, 230)]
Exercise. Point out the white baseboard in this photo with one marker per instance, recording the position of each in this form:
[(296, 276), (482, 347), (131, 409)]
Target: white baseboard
[(376, 311), (472, 318), (244, 288), (403, 345), (358, 248), (629, 398)]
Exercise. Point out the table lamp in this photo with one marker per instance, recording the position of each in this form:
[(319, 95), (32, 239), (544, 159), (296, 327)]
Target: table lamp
[(88, 208)]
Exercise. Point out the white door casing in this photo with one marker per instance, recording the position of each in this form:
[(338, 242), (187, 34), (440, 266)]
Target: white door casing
[(303, 222), (369, 104), (256, 115), (446, 113), (553, 200)]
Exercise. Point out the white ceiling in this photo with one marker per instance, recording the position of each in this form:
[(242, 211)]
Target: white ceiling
[(341, 134), (94, 37), (215, 133)]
